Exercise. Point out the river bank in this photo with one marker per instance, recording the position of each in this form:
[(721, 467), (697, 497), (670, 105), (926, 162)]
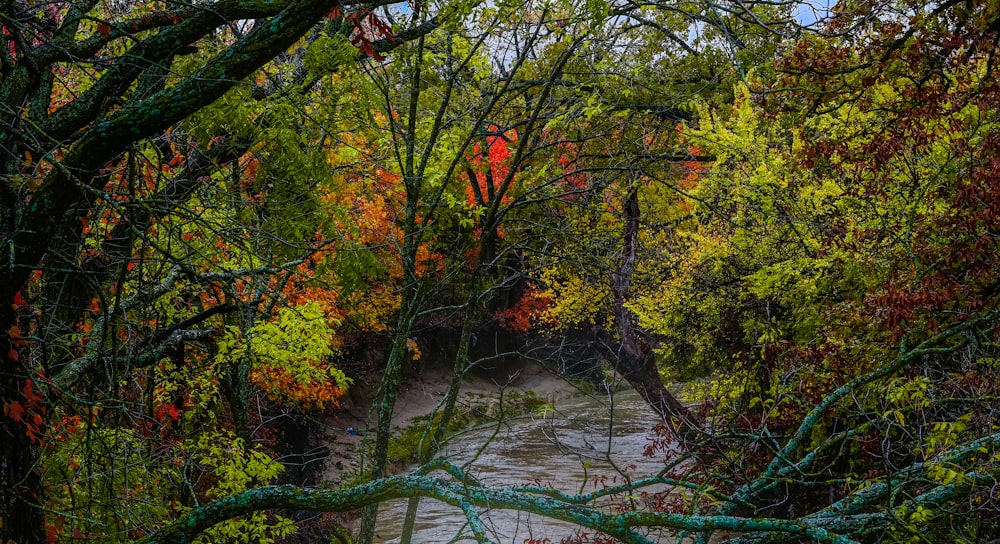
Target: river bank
[(344, 430)]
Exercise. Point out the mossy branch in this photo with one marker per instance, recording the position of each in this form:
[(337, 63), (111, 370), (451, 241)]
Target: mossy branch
[(469, 499)]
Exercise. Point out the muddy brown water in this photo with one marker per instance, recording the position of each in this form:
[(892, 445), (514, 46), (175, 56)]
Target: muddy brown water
[(582, 438)]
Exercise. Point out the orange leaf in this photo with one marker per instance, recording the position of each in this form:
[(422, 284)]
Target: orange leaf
[(29, 391), (51, 533), (14, 410)]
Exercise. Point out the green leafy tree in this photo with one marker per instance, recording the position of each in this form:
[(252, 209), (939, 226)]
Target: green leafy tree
[(457, 165), (620, 241), (833, 236), (123, 247)]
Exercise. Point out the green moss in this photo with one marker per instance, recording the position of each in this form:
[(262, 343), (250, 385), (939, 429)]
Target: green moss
[(475, 410)]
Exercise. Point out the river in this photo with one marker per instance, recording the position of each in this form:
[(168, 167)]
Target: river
[(581, 438)]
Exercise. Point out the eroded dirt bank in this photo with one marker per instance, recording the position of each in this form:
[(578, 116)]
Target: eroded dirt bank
[(344, 430)]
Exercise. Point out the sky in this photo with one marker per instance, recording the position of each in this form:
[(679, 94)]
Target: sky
[(810, 11)]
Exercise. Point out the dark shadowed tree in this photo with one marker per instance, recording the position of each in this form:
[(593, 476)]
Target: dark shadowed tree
[(90, 95)]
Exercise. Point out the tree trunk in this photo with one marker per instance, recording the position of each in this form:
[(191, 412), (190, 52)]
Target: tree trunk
[(236, 389), (388, 390), (432, 439), (21, 520), (632, 357)]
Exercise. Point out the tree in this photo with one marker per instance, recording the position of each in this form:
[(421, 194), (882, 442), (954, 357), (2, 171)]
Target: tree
[(456, 160), (638, 100), (933, 459), (95, 170), (835, 232), (825, 234)]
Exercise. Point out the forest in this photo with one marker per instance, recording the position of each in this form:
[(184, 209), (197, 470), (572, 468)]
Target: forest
[(775, 220)]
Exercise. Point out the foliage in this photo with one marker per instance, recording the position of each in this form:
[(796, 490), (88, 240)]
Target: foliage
[(207, 210), (162, 212), (290, 355), (234, 469), (834, 237)]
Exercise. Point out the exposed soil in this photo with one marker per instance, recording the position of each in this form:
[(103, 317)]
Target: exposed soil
[(420, 393)]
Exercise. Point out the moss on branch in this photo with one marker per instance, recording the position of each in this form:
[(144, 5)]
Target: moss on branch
[(468, 499)]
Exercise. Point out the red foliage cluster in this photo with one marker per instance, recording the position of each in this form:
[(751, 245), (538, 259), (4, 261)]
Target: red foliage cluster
[(573, 179), (491, 165), (518, 318), (30, 411), (369, 27)]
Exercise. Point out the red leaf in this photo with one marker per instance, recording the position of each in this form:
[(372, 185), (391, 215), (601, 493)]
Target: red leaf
[(14, 410), (13, 355), (18, 299), (29, 392), (103, 29)]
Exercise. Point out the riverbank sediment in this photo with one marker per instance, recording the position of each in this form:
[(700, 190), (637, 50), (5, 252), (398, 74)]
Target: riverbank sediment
[(344, 430)]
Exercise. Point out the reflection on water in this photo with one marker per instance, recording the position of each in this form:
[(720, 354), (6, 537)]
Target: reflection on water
[(565, 448)]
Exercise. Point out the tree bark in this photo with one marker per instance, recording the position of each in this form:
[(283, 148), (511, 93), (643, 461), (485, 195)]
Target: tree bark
[(627, 527), (632, 357), (433, 438)]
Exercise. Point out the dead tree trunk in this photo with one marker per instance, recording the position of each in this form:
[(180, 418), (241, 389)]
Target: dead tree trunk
[(631, 355)]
